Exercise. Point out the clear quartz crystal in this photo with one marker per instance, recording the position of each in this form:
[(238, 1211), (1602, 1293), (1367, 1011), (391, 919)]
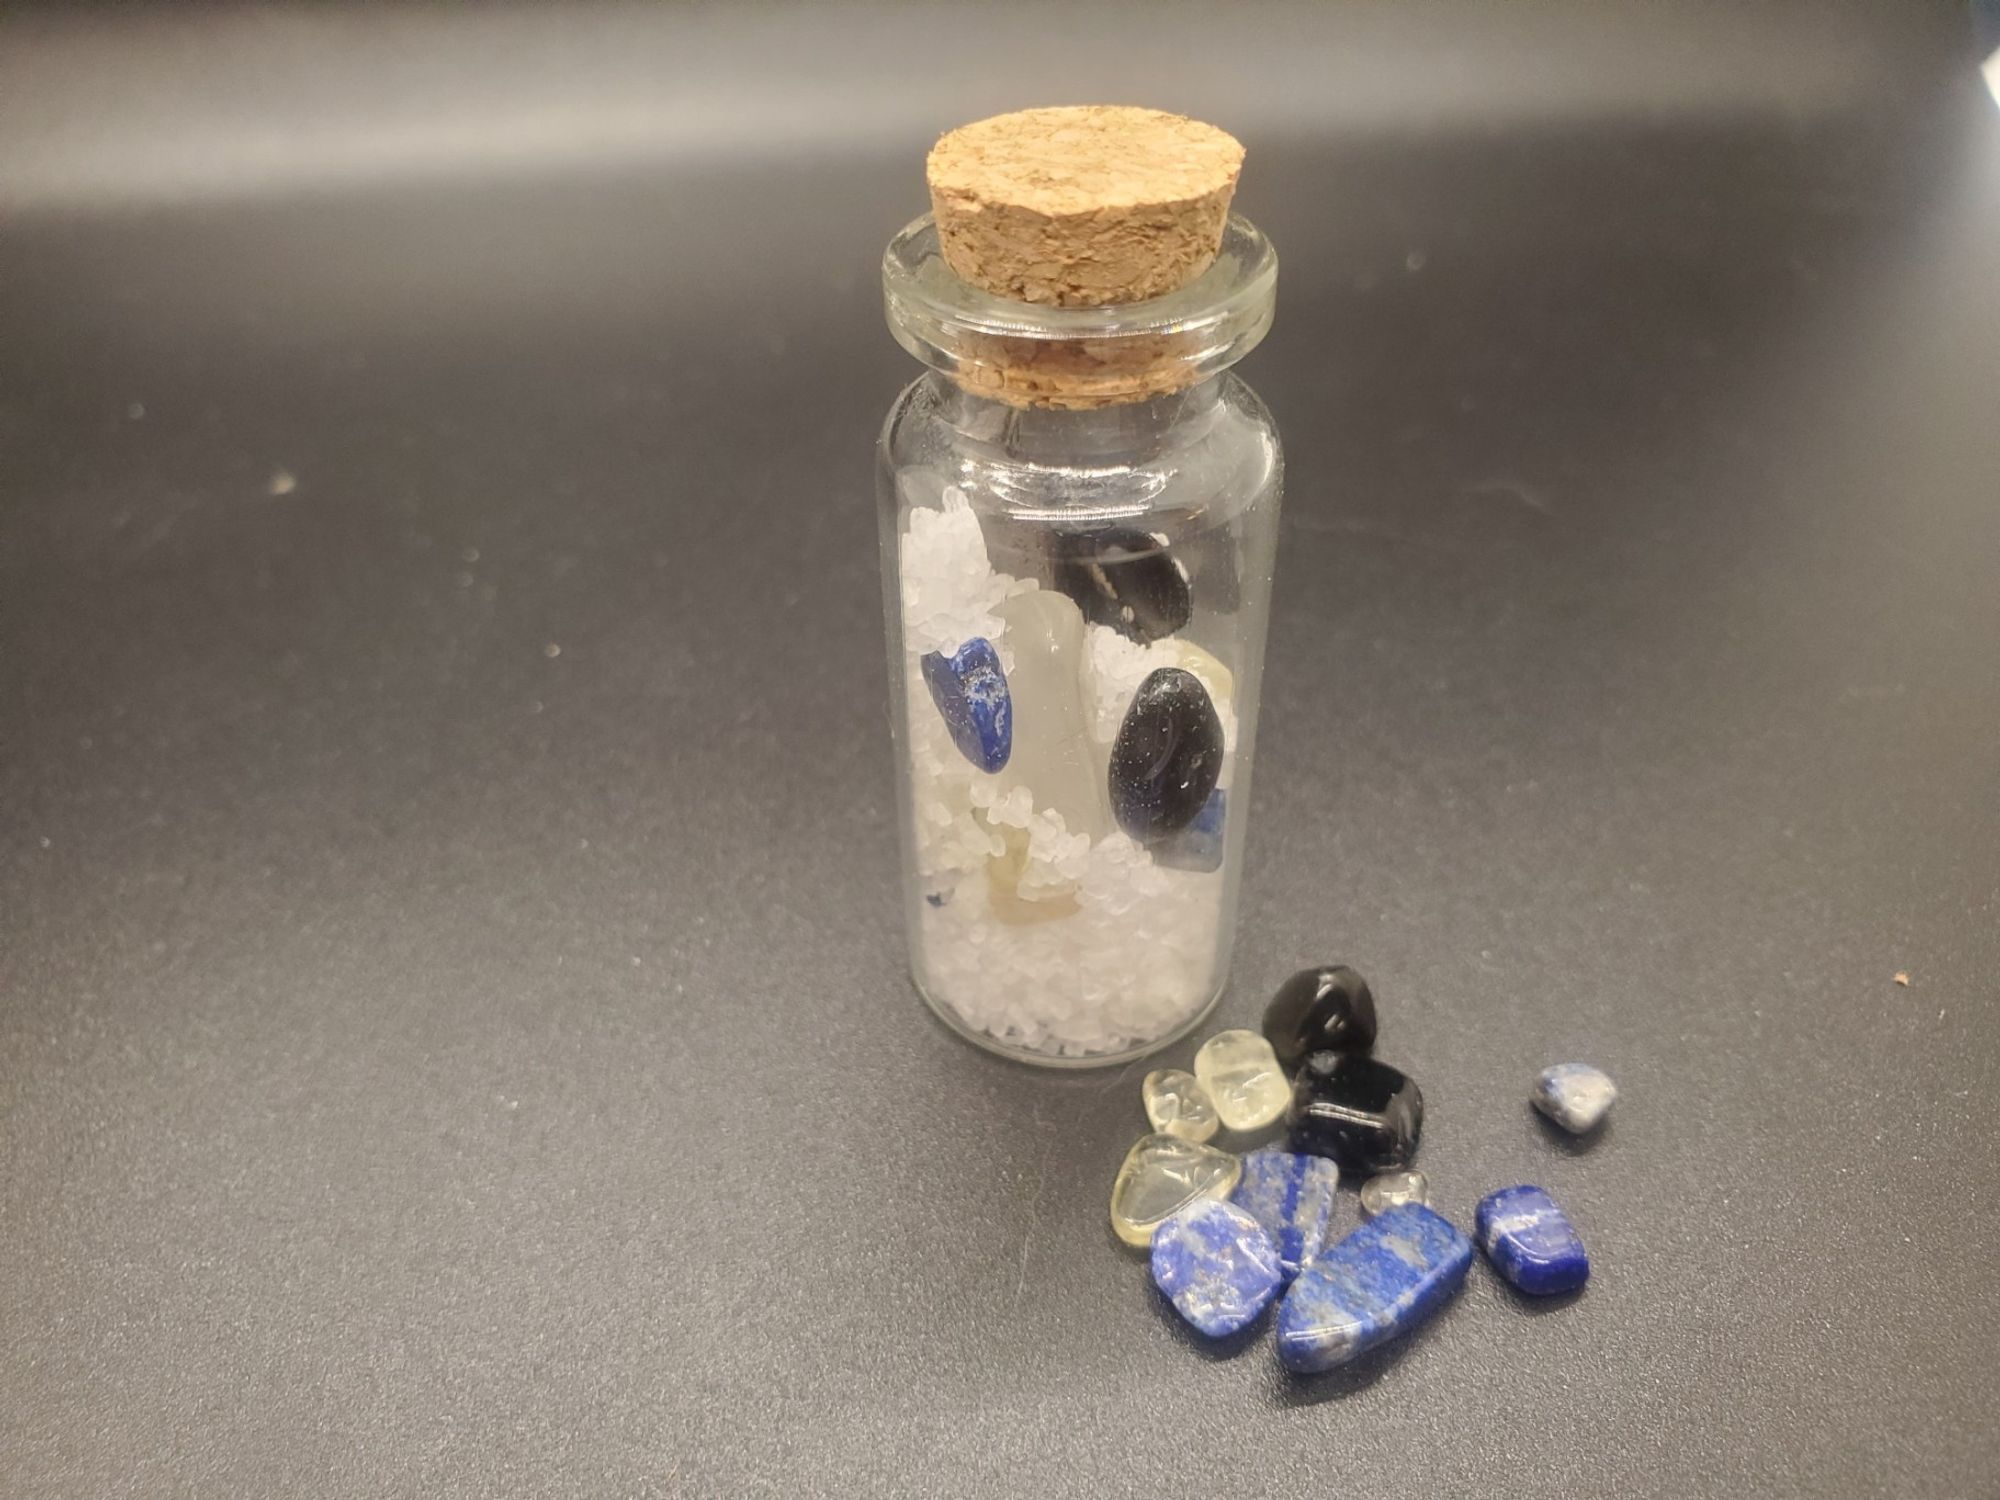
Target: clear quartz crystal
[(1242, 1076), (1389, 1189), (1177, 1104), (1162, 1174), (1044, 633)]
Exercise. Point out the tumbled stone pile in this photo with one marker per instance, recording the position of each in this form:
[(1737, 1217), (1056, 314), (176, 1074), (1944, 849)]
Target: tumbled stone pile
[(1228, 1234)]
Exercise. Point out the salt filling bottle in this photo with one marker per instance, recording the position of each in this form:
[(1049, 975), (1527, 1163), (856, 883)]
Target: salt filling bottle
[(1079, 512)]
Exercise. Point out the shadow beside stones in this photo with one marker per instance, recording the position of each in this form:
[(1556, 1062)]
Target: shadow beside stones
[(1130, 1252), (1348, 1379), (1563, 1141), (1526, 1306)]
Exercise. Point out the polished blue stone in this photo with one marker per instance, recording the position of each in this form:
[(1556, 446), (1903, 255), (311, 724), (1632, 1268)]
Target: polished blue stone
[(1531, 1242), (1575, 1095), (1216, 1265), (969, 688), (1293, 1198), (1197, 847), (1382, 1280)]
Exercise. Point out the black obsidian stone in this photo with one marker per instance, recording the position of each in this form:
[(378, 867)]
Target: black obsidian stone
[(1356, 1111), (1167, 756), (1328, 1009), (1125, 579)]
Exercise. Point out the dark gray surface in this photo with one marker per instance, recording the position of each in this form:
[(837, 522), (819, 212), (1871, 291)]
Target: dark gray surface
[(430, 1064)]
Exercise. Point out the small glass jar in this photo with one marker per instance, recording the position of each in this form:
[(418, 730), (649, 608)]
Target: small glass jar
[(1079, 512)]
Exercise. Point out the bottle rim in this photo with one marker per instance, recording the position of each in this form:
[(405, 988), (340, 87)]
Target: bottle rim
[(1125, 350)]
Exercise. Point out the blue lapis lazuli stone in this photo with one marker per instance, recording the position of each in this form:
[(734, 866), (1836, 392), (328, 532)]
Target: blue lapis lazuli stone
[(1198, 847), (1382, 1280), (1575, 1095), (1217, 1266), (1531, 1241), (969, 688), (1293, 1197)]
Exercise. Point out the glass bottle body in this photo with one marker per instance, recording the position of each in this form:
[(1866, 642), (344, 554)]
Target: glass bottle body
[(1070, 875)]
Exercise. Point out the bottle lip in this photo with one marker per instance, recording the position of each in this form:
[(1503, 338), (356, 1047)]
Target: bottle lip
[(1030, 354)]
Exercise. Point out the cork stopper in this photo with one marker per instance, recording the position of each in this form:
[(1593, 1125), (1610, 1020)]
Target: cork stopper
[(1082, 206)]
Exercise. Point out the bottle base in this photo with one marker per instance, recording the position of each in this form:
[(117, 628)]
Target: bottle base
[(1055, 1058)]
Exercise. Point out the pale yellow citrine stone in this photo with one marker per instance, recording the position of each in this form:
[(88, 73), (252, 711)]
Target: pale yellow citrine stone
[(1161, 1175), (1242, 1076), (1003, 881), (1177, 1104), (1217, 678)]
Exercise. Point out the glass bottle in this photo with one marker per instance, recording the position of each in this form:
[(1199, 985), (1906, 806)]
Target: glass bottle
[(1079, 511)]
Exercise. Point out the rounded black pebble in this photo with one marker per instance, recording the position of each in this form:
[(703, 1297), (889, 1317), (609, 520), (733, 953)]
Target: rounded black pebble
[(1351, 1109), (1167, 756), (1125, 579), (1327, 1009)]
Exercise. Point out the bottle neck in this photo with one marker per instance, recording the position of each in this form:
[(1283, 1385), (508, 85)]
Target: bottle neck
[(1129, 363), (1124, 433)]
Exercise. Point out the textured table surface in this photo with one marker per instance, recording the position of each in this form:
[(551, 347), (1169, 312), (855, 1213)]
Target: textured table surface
[(453, 1033)]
